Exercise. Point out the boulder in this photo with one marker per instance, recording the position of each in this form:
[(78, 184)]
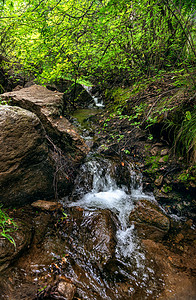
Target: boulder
[(149, 220), (101, 242), (48, 106), (75, 96), (94, 232), (26, 171)]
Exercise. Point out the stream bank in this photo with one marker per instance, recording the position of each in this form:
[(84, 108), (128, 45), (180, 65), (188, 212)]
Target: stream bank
[(99, 242), (153, 124)]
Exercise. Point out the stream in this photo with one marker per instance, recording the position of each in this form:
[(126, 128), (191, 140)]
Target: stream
[(93, 251), (124, 271)]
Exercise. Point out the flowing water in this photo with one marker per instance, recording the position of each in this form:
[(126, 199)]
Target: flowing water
[(97, 98), (97, 190), (106, 194), (95, 248)]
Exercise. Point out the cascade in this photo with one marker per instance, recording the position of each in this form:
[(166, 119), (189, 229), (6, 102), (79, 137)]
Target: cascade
[(97, 189), (97, 99)]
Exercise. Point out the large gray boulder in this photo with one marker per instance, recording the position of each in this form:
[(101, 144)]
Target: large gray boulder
[(26, 171), (48, 106)]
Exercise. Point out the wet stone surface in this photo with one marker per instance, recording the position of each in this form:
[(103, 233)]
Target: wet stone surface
[(10, 252), (149, 220), (90, 250), (64, 260)]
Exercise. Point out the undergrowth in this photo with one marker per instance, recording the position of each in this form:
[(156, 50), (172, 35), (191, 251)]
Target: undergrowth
[(185, 135), (7, 225), (167, 99)]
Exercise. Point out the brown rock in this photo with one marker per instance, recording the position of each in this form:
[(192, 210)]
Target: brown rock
[(66, 289), (179, 237), (149, 220), (26, 170), (96, 232), (101, 242), (17, 88), (48, 106), (176, 270), (46, 205), (9, 252)]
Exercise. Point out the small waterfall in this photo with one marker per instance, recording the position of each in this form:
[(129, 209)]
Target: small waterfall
[(99, 189), (96, 188), (97, 99)]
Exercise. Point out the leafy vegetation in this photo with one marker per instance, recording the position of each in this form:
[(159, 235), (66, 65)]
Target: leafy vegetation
[(7, 225), (108, 41), (115, 45)]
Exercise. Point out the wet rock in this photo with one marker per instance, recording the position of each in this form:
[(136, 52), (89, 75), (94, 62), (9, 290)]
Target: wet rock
[(46, 205), (149, 220), (26, 169), (95, 231), (8, 251), (75, 96), (101, 243), (41, 226), (48, 106), (66, 289)]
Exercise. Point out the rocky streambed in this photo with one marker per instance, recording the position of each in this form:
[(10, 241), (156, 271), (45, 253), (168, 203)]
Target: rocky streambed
[(105, 238), (105, 241)]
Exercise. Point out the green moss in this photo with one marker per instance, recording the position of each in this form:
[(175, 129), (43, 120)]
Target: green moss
[(147, 147), (152, 163), (187, 177), (83, 114), (165, 158), (167, 188), (121, 96)]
